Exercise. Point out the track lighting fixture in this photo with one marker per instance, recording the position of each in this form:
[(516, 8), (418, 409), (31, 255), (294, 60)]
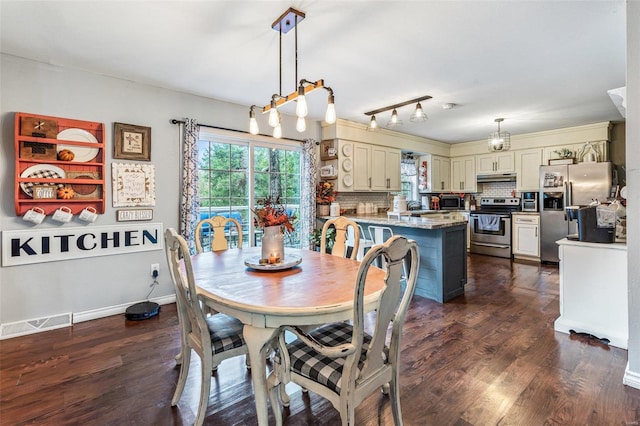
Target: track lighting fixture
[(287, 21), (418, 114)]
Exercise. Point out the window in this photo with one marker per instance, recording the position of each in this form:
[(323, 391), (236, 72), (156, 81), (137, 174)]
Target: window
[(235, 174)]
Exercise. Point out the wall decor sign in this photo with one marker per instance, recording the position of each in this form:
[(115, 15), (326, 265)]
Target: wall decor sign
[(44, 192), (133, 185), (23, 247), (131, 142), (132, 215)]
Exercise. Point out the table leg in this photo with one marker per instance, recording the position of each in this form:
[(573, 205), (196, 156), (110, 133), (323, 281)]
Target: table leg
[(257, 339)]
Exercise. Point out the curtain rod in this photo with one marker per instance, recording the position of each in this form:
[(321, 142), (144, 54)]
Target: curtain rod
[(174, 121)]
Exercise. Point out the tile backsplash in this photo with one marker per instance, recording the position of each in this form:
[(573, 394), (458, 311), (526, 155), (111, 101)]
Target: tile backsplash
[(350, 200), (496, 189)]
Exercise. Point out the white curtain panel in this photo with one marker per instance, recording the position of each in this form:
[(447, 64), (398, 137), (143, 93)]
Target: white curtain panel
[(189, 202), (308, 192)]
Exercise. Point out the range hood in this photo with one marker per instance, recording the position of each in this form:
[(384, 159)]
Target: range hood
[(503, 177)]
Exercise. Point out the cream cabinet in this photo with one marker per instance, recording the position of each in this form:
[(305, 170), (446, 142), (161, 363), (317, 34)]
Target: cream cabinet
[(463, 174), (526, 236), (375, 168), (495, 162), (528, 162), (438, 173)]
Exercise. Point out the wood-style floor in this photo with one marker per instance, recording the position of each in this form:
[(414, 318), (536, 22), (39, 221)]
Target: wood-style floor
[(488, 357)]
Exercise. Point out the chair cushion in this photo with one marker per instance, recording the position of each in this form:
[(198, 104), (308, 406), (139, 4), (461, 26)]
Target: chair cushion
[(324, 370), (225, 331)]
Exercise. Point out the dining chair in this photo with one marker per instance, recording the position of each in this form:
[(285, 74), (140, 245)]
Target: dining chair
[(341, 224), (213, 230), (213, 338), (342, 362)]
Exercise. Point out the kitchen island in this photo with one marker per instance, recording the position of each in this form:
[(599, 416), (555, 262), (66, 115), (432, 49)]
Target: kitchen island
[(442, 243)]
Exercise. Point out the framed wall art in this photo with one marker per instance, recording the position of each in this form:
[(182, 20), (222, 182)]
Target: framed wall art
[(133, 185), (131, 142)]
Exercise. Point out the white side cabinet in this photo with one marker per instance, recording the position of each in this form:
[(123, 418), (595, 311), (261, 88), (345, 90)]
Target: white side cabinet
[(463, 174), (528, 162), (526, 236)]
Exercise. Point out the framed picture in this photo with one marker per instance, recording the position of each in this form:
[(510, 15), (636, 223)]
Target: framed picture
[(131, 142), (44, 192), (133, 185)]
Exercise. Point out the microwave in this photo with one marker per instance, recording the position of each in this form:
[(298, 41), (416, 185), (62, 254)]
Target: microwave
[(451, 202)]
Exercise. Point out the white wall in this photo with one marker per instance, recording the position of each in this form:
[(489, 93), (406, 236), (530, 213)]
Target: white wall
[(45, 289)]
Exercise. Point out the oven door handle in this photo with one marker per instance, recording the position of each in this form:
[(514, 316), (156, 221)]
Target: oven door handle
[(502, 246)]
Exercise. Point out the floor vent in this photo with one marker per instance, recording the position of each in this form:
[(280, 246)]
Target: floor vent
[(22, 328)]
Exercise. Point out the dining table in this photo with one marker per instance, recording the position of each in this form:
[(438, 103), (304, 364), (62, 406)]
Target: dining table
[(319, 290)]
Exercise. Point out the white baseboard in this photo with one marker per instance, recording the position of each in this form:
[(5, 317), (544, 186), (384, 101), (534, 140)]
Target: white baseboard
[(107, 311), (631, 378), (615, 338), (37, 325)]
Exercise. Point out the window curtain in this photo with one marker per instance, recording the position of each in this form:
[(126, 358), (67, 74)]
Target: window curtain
[(189, 202), (308, 192)]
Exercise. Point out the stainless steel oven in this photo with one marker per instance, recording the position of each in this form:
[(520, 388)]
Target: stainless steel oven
[(490, 227)]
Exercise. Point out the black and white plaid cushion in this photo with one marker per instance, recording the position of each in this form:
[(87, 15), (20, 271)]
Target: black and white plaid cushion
[(225, 331), (327, 371)]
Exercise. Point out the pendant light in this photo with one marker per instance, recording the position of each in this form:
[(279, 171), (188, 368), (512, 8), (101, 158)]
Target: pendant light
[(253, 123), (394, 121), (418, 115), (500, 140)]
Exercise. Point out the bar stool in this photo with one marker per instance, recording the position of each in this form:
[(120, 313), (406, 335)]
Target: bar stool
[(365, 244), (380, 234)]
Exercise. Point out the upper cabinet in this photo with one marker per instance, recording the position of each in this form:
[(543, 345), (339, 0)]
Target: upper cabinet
[(463, 174), (438, 171), (495, 163), (376, 168), (528, 162), (59, 163)]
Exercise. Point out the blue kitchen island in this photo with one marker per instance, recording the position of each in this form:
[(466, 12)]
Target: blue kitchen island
[(443, 251)]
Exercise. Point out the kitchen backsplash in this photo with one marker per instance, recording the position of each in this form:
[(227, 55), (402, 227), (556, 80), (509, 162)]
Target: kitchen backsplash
[(496, 189), (350, 200)]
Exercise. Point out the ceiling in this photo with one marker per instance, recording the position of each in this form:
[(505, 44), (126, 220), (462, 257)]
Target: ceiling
[(540, 65)]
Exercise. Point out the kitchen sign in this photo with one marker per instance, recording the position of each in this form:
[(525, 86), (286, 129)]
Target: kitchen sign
[(23, 247)]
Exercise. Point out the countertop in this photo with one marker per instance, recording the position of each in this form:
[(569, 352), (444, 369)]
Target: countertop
[(407, 222), (611, 246)]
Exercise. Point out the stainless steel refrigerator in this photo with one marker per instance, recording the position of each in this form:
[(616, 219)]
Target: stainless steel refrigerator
[(563, 186)]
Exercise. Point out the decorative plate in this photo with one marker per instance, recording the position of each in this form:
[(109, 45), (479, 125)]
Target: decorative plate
[(82, 153), (290, 260), (41, 171), (347, 149), (347, 180), (346, 165)]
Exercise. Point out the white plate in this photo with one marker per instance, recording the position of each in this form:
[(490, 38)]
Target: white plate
[(623, 192), (347, 149), (346, 165), (290, 260), (43, 171), (347, 180), (82, 153)]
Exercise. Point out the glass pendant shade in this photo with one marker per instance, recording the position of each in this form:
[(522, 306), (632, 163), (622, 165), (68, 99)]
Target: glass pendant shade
[(394, 121), (301, 125), (373, 123), (418, 114), (277, 131)]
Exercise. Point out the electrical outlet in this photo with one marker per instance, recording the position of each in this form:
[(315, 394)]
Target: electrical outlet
[(155, 269)]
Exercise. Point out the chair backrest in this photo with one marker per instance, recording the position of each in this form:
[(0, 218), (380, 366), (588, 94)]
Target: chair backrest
[(190, 314), (339, 248), (379, 234), (213, 229), (392, 305)]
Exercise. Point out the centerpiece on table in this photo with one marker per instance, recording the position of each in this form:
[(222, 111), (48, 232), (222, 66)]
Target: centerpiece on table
[(325, 195), (274, 220)]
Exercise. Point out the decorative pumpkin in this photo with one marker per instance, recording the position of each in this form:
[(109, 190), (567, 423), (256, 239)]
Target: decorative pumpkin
[(66, 155), (66, 193)]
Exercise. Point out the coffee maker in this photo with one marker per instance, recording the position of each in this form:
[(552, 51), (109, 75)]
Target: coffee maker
[(588, 229), (529, 201)]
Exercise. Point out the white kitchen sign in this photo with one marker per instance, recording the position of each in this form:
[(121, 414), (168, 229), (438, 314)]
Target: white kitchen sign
[(23, 247)]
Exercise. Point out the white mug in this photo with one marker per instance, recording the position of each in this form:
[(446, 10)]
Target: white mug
[(35, 215), (89, 214), (63, 214)]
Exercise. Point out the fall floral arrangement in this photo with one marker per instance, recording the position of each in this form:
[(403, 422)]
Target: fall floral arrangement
[(325, 194), (273, 213)]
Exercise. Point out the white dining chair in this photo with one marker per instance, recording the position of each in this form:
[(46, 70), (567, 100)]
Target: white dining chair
[(340, 361)]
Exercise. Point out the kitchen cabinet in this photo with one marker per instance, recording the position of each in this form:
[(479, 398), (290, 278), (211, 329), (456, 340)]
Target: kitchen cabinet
[(463, 174), (438, 173), (495, 162), (54, 154), (528, 162), (375, 168), (526, 236)]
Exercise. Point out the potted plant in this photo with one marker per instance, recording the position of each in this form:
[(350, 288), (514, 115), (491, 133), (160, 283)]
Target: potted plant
[(325, 195), (316, 238), (272, 217)]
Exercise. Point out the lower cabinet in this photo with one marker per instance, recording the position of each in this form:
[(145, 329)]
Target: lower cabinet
[(526, 236)]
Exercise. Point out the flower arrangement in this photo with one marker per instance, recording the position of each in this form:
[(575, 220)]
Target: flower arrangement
[(325, 194), (273, 213)]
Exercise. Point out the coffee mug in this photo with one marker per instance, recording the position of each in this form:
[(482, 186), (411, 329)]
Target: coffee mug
[(89, 214), (35, 215), (63, 214)]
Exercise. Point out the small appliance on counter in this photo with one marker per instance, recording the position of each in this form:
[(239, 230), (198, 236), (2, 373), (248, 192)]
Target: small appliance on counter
[(590, 231)]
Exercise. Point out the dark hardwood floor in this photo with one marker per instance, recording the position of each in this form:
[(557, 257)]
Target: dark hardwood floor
[(488, 357)]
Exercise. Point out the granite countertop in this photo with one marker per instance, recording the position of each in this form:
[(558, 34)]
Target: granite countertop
[(405, 221)]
